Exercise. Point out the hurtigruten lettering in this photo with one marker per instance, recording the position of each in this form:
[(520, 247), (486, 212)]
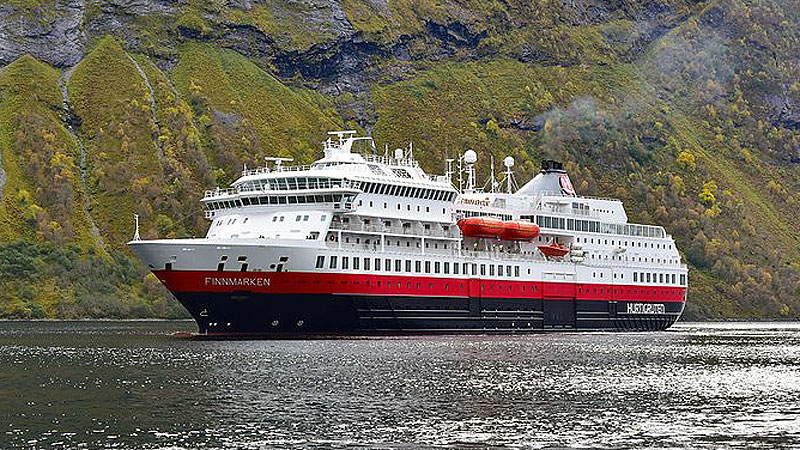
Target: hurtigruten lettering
[(214, 281), (646, 308)]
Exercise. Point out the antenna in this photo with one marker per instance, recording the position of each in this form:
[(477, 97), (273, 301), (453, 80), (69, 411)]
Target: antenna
[(277, 161), (342, 134), (461, 174), (492, 179), (136, 236), (449, 169)]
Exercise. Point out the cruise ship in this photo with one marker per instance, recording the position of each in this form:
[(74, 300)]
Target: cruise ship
[(362, 243)]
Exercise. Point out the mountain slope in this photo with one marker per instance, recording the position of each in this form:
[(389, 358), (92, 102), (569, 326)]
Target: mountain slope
[(687, 110)]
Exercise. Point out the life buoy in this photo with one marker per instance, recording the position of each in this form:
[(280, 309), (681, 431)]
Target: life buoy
[(332, 238)]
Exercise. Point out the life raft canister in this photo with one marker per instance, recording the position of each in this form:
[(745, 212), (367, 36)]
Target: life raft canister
[(519, 230), (481, 227)]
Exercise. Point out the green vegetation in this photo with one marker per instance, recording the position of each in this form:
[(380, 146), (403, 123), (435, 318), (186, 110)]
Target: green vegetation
[(43, 197), (686, 111), (124, 164), (40, 281), (245, 113)]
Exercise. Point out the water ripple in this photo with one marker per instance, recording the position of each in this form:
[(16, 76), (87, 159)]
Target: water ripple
[(130, 385)]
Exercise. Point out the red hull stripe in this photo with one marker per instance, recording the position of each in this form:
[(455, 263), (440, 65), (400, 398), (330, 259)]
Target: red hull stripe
[(386, 285)]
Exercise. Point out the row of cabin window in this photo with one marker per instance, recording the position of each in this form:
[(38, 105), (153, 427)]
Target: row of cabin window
[(593, 226), (291, 184), (624, 243), (297, 199), (278, 200), (634, 259), (644, 292), (230, 221), (276, 218), (648, 277), (408, 206), (468, 213), (436, 267), (407, 191), (298, 218), (376, 242)]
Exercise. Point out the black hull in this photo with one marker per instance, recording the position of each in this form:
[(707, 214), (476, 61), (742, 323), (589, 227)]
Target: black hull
[(248, 314)]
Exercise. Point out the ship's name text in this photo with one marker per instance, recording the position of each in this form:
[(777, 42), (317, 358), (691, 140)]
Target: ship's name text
[(646, 308), (214, 281), (474, 201)]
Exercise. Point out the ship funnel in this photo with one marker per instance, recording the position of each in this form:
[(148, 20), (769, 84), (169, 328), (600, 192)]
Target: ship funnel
[(551, 180)]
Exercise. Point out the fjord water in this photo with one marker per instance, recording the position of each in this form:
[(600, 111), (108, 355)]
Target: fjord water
[(132, 385)]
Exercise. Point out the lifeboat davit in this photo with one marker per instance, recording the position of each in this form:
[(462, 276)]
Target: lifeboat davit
[(553, 250), (519, 230), (481, 227)]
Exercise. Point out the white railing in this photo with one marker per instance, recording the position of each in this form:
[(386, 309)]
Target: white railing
[(320, 186), (389, 161), (213, 193), (265, 169), (477, 255), (415, 231)]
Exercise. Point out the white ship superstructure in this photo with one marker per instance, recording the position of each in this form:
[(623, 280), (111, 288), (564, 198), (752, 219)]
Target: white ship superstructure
[(355, 243)]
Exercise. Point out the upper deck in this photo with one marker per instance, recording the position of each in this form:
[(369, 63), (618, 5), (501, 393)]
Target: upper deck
[(394, 187)]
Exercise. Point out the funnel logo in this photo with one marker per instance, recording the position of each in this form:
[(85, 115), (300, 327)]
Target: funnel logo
[(566, 185)]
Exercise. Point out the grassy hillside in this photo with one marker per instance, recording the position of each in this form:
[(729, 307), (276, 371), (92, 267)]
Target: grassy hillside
[(245, 113), (43, 195), (689, 111)]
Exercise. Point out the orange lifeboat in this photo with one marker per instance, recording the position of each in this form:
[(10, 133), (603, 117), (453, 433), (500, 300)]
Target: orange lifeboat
[(519, 230), (553, 250), (481, 227)]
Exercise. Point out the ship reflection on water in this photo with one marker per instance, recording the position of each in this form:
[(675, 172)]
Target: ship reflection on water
[(129, 385)]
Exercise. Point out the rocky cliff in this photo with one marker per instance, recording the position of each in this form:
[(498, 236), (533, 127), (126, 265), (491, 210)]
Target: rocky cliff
[(687, 110)]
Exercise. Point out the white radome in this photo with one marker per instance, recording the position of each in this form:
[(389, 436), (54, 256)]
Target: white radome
[(470, 157)]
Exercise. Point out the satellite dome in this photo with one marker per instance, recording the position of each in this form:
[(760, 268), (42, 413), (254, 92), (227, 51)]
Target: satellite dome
[(470, 157)]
